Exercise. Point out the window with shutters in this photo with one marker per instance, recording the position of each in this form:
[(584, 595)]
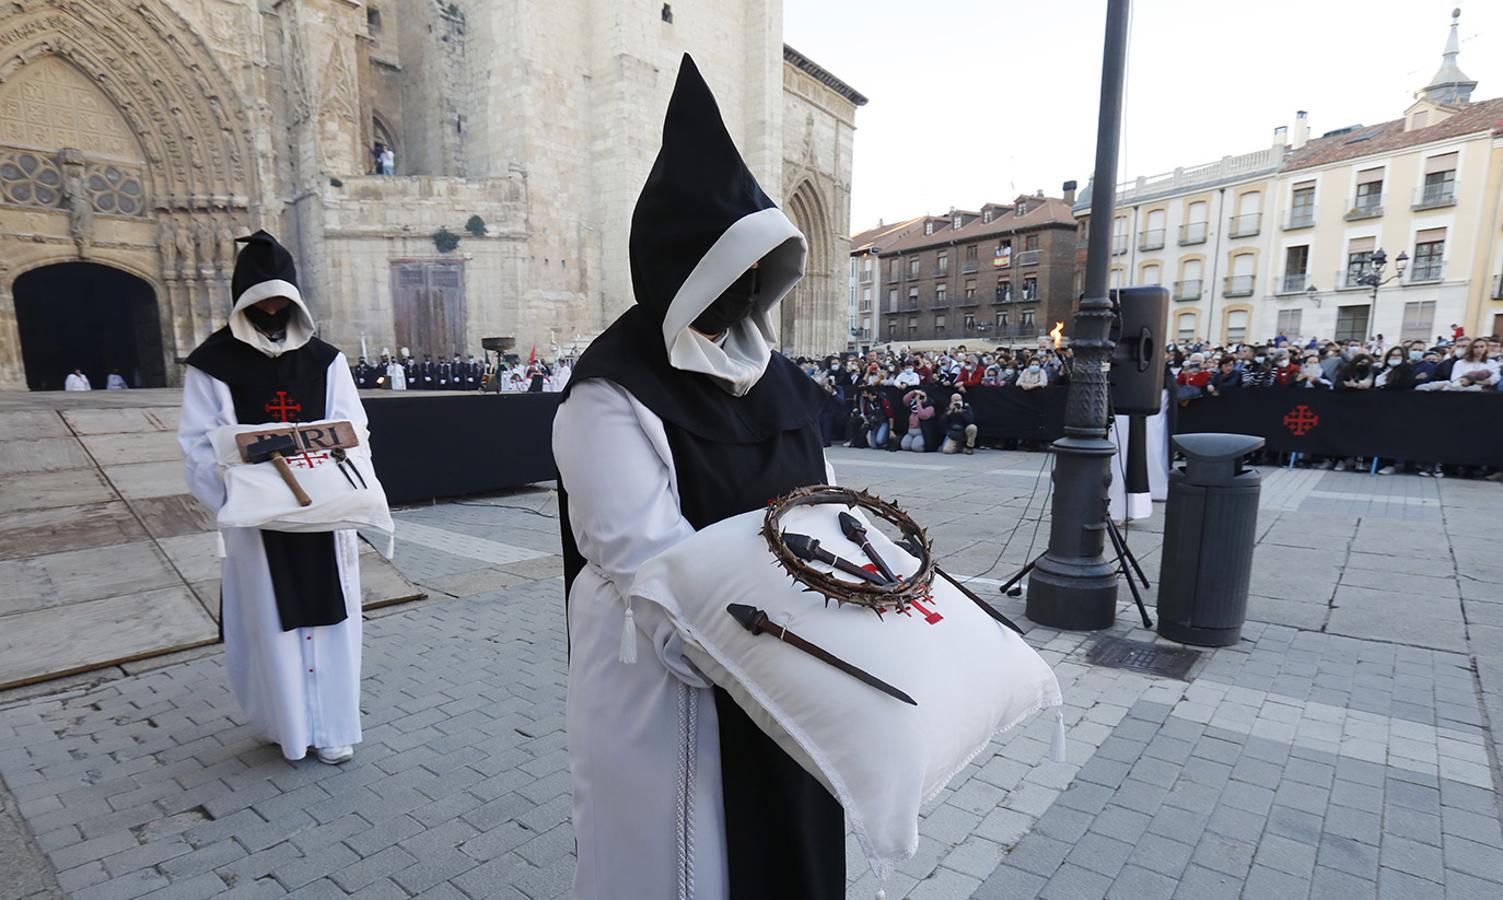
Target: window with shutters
[(1419, 319), (944, 264), (1302, 205), (1184, 328), (1429, 255), (428, 306), (1359, 259), (939, 326), (1236, 326), (1440, 182), (1027, 322), (1368, 201), (1152, 274), (1289, 322), (1351, 323)]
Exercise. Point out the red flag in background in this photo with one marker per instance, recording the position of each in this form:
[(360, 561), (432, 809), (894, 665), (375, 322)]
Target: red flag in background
[(533, 356)]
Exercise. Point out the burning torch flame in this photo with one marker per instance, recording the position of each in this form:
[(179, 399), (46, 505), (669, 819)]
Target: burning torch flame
[(1059, 328)]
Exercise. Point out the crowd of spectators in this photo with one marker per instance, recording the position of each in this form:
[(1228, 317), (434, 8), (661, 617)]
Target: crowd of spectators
[(1196, 372), (499, 374)]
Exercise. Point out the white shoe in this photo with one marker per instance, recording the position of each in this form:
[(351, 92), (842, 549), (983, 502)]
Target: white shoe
[(1425, 473), (1386, 470), (1439, 473), (1341, 466), (335, 755)]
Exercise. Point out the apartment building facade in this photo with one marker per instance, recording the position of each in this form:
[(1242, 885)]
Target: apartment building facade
[(866, 281), (1001, 275), (1284, 239)]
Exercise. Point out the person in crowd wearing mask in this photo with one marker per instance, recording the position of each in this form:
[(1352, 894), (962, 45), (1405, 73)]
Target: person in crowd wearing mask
[(291, 601), (703, 421), (1397, 373), (1357, 373), (1257, 373), (920, 410), (873, 420), (1425, 363), (1284, 369), (429, 373), (833, 409), (445, 375), (960, 426), (1473, 371), (1330, 362), (909, 377), (363, 376), (922, 369), (1033, 377), (1225, 380), (1311, 373), (1192, 379)]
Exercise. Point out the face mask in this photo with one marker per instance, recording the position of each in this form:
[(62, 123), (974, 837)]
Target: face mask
[(1416, 355), (1395, 360), (1034, 367), (269, 323), (1258, 360), (734, 304), (1283, 364), (1460, 352)]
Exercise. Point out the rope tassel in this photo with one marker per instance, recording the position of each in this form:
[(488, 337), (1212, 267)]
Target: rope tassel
[(628, 652), (1057, 751)]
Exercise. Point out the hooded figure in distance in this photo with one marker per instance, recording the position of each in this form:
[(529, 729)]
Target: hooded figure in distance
[(677, 416), (290, 603)]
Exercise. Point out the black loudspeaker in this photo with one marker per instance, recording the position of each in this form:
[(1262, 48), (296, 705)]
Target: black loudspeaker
[(1137, 377)]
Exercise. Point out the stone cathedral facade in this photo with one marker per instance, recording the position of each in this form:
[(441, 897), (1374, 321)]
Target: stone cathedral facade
[(139, 137)]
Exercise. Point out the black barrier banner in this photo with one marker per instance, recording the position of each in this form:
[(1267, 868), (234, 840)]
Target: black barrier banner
[(1002, 413), (1459, 428), (426, 447)]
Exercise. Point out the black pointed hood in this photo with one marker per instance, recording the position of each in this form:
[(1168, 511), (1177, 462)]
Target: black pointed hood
[(701, 221), (264, 268)]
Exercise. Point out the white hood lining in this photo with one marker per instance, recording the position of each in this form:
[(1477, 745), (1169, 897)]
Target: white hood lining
[(738, 360), (300, 325)]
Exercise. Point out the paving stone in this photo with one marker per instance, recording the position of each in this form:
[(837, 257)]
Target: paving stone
[(1008, 883), (1100, 854), (1136, 883), (1160, 854), (1075, 883)]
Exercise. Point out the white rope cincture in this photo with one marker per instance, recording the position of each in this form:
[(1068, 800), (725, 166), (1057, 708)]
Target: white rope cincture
[(219, 545), (628, 651), (1057, 751), (685, 796)]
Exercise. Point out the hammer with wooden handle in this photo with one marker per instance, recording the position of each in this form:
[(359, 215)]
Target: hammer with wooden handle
[(272, 447)]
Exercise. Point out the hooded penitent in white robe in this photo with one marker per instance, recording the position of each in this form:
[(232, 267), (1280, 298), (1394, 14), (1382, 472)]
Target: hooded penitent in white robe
[(299, 688), (645, 755), (396, 376)]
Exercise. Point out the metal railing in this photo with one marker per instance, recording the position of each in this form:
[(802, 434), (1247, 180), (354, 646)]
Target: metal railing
[(1027, 330), (1119, 244), (1192, 233), (942, 270), (910, 305), (1300, 217), (968, 267), (1294, 282), (941, 299), (1238, 285), (1350, 279), (1246, 225), (1369, 206), (866, 276), (866, 306), (1435, 195), (1151, 240), (1498, 287), (1029, 257), (914, 272), (1427, 271), (1189, 289), (967, 301), (893, 276), (1002, 296)]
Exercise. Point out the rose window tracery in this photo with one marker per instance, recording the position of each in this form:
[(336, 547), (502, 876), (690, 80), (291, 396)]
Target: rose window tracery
[(30, 179), (114, 190)]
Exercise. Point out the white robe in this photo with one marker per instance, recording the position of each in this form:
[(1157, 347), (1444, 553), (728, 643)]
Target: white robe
[(630, 741), (300, 688), (396, 376), (1140, 506), (76, 382)]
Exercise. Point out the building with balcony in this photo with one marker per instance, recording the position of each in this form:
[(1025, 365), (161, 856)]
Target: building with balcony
[(1282, 239), (1427, 185), (871, 282), (1001, 274)]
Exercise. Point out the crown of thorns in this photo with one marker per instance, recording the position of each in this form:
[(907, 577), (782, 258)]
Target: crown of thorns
[(880, 598)]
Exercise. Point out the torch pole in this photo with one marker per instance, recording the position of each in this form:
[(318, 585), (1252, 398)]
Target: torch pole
[(1073, 586)]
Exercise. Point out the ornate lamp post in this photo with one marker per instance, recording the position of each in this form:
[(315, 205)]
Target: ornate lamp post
[(1072, 585), (1373, 278)]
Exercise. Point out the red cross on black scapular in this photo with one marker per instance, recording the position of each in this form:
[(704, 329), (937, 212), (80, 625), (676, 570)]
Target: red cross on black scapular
[(283, 407)]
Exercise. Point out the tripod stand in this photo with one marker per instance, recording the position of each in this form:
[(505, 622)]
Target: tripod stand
[(1125, 559)]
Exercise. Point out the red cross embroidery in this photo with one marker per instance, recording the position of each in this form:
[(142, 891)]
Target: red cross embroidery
[(308, 459), (1301, 420), (283, 406)]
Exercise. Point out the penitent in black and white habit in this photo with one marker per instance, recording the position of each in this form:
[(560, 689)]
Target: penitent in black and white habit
[(290, 603), (677, 416)]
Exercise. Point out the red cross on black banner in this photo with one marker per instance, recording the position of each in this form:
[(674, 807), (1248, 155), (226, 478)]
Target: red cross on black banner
[(283, 407)]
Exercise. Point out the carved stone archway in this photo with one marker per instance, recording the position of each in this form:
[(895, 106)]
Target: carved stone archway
[(186, 148), (804, 313)]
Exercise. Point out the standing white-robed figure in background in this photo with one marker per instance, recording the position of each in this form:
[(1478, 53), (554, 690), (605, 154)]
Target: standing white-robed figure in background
[(290, 603), (77, 381)]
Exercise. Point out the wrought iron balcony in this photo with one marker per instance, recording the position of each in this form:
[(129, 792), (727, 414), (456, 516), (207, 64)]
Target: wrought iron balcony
[(866, 276), (1188, 289), (1002, 297), (1433, 196), (1152, 239), (1192, 233), (892, 276), (1294, 282), (1029, 257), (1119, 244), (1246, 225), (1369, 206), (1300, 217), (1238, 285), (915, 272), (1350, 279), (968, 267)]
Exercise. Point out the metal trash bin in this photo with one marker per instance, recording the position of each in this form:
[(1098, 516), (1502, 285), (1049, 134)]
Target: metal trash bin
[(1210, 525)]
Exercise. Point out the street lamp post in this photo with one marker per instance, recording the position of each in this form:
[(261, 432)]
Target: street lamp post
[(1073, 586), (1374, 279)]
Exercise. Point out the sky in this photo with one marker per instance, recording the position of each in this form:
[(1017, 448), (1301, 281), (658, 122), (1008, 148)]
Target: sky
[(974, 101)]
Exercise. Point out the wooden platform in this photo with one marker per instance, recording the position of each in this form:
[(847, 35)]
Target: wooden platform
[(104, 556)]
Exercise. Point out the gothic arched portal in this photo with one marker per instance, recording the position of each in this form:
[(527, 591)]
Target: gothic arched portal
[(802, 323)]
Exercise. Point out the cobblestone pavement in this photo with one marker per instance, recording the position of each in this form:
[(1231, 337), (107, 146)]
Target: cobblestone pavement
[(1341, 750)]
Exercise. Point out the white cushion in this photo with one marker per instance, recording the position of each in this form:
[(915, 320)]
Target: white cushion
[(882, 758), (257, 497)]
